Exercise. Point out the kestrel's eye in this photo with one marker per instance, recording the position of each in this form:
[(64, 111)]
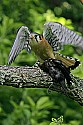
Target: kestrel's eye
[(35, 36)]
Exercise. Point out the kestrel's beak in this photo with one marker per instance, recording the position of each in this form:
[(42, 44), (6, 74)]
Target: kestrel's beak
[(32, 36)]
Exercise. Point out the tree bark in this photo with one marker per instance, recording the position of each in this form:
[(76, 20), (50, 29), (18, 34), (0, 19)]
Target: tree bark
[(34, 77), (24, 77)]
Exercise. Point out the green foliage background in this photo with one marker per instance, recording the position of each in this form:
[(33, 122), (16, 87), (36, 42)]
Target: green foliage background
[(36, 106)]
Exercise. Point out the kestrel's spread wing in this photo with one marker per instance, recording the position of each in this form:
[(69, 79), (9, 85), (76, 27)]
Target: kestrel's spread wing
[(58, 35), (21, 42)]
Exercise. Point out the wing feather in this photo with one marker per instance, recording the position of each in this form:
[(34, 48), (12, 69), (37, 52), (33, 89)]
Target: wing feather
[(22, 40), (58, 35)]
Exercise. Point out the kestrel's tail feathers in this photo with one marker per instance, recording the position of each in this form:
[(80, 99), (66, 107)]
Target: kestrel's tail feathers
[(69, 62)]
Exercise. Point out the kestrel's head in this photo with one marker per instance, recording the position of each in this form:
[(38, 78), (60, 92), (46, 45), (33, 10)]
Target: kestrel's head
[(35, 37)]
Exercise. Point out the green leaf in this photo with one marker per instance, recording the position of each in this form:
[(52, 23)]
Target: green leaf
[(30, 101), (43, 102)]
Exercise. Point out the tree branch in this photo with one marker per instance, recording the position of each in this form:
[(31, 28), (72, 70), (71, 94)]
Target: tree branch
[(34, 77), (24, 77)]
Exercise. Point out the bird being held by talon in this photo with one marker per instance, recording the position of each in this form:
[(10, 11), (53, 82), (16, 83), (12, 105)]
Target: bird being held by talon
[(45, 46)]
